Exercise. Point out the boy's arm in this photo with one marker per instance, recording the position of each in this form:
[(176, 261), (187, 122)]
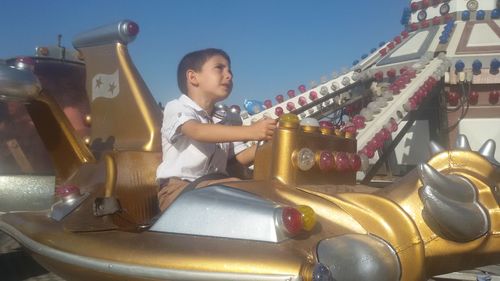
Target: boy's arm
[(261, 130), (246, 156)]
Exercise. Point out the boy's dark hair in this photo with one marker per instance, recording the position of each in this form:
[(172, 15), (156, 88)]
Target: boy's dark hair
[(195, 61)]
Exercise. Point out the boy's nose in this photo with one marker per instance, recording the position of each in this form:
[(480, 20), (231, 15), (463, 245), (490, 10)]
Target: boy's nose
[(229, 75)]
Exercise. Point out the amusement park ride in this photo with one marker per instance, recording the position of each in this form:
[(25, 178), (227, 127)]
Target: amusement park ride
[(302, 215)]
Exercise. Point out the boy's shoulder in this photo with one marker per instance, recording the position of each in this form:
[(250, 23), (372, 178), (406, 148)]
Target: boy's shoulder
[(178, 105)]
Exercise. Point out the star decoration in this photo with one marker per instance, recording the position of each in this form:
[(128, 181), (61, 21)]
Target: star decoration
[(112, 87), (98, 82)]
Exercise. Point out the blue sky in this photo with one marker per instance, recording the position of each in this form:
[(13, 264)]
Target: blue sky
[(274, 45)]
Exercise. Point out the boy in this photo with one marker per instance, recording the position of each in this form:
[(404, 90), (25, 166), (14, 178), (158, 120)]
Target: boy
[(192, 145)]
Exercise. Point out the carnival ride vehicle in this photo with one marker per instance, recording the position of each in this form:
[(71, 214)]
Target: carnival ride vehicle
[(301, 217), (27, 179)]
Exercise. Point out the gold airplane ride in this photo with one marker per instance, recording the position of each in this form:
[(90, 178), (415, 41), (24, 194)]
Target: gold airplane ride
[(301, 217)]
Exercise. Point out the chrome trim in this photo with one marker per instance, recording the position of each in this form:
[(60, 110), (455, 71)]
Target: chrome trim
[(111, 33), (63, 207), (132, 270), (17, 85), (221, 211)]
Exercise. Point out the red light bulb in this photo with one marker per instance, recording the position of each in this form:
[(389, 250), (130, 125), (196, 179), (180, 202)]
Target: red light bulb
[(291, 93), (290, 106), (292, 220), (280, 98), (326, 161), (493, 98), (473, 98), (302, 89), (342, 162), (268, 103), (453, 98), (355, 162), (278, 111), (302, 101), (313, 95)]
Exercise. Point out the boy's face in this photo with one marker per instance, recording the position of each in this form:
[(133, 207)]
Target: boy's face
[(215, 78)]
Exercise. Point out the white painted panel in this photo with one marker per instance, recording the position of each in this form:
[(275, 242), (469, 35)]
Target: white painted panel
[(481, 129), (414, 147)]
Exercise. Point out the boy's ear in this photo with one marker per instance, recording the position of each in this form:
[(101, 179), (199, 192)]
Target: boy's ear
[(192, 77)]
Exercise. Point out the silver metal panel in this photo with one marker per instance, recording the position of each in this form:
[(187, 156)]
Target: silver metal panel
[(26, 193), (221, 211), (451, 207), (133, 270), (359, 257), (17, 84), (111, 33)]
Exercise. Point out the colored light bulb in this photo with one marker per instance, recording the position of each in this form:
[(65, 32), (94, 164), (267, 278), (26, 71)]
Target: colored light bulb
[(302, 89), (342, 162), (292, 220), (313, 95), (291, 93), (355, 162), (493, 98), (280, 98), (278, 111), (326, 161), (476, 67), (302, 101), (268, 103), (459, 66), (453, 98), (473, 98)]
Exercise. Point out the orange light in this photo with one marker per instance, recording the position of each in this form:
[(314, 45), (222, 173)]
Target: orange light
[(43, 51)]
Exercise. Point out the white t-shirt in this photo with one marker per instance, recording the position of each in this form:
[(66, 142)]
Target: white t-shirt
[(186, 158)]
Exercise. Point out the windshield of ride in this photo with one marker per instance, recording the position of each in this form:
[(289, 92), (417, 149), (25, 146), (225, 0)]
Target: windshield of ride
[(21, 149)]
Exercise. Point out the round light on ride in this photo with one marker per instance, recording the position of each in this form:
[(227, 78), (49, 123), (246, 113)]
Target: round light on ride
[(280, 98), (326, 127), (313, 95), (289, 120), (354, 162), (304, 159), (321, 273), (292, 220), (476, 67), (302, 88), (325, 161), (324, 90), (291, 93), (278, 111), (459, 66), (290, 106), (465, 15), (309, 122), (25, 63), (132, 28), (268, 103), (308, 217), (342, 162)]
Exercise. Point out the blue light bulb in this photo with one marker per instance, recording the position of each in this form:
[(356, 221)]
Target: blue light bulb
[(495, 14), (364, 56), (494, 66), (480, 15), (476, 67), (459, 66), (465, 15), (355, 62)]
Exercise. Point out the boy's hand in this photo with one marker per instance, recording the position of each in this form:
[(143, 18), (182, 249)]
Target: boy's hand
[(263, 129)]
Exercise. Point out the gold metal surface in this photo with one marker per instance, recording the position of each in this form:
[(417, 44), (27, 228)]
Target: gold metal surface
[(133, 103), (275, 159), (67, 150)]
